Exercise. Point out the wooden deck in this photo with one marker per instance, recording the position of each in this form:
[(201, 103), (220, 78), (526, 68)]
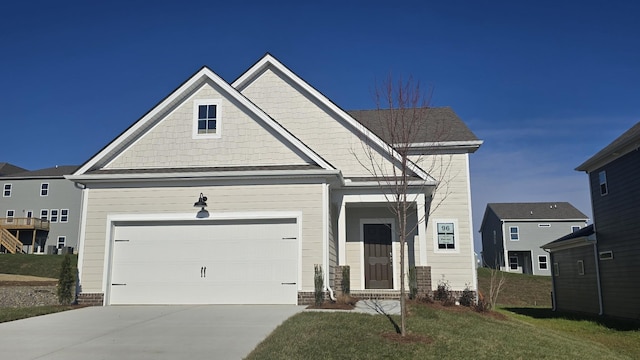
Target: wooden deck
[(24, 224)]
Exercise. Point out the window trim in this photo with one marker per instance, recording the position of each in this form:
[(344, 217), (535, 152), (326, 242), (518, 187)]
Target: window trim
[(54, 218), (517, 263), (545, 262), (200, 102), (602, 179), (556, 269), (44, 214), (517, 233), (44, 191), (580, 264), (10, 217), (5, 189), (436, 236), (605, 255), (64, 218), (575, 228), (64, 242)]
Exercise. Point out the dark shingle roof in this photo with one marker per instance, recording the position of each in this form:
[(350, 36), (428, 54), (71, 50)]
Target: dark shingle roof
[(626, 142), (579, 237), (534, 211), (8, 169), (441, 124), (53, 172)]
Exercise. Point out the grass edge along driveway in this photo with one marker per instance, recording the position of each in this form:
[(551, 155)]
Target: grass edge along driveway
[(452, 334)]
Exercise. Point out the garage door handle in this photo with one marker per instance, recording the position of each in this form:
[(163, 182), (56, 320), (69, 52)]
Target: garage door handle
[(288, 283), (118, 284)]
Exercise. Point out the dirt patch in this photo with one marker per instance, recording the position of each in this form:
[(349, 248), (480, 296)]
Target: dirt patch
[(408, 338), (332, 306), (461, 309), (25, 280)]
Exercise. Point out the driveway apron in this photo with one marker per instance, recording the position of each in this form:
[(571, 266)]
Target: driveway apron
[(143, 332)]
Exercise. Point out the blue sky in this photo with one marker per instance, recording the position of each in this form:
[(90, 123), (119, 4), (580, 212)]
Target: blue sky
[(545, 84)]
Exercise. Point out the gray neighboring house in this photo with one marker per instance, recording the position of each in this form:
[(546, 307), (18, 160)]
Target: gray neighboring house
[(596, 271), (41, 208), (513, 233)]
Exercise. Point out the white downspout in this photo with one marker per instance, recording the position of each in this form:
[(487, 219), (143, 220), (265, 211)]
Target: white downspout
[(595, 253), (325, 238), (553, 281)]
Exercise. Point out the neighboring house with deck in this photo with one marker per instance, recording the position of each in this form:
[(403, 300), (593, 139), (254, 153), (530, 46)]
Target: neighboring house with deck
[(228, 193), (596, 270), (512, 234), (40, 209)]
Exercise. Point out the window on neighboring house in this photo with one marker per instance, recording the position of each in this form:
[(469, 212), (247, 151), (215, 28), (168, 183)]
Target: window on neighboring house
[(606, 255), (446, 236), (64, 215), (513, 263), (542, 262), (206, 118), (514, 233), (604, 189), (61, 241), (580, 267), (10, 215), (7, 190), (53, 216), (44, 214), (44, 189), (575, 228), (556, 269)]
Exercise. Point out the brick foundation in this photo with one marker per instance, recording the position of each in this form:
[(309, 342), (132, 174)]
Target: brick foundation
[(91, 299), (337, 279), (423, 279), (309, 298)]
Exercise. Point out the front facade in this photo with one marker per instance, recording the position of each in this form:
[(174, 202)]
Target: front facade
[(512, 234), (273, 169), (605, 261), (41, 209)]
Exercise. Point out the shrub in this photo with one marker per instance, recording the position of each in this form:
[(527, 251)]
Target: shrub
[(468, 297), (413, 283), (318, 280), (482, 305), (443, 294), (346, 280), (66, 282)]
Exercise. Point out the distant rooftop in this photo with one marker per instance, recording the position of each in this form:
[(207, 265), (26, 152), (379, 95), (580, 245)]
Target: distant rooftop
[(7, 169), (52, 172), (537, 210)]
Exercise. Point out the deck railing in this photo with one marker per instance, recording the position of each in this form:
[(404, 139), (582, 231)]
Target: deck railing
[(24, 223)]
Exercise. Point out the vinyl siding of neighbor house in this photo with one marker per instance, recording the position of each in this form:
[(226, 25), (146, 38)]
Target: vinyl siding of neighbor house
[(451, 202), (306, 199), (243, 141), (305, 118), (25, 196), (532, 237), (575, 292), (617, 219), (492, 241)]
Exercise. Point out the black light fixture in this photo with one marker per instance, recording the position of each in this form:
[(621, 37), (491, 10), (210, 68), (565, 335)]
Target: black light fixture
[(201, 202)]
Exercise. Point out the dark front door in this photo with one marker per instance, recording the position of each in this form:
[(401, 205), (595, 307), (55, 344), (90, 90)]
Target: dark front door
[(378, 265)]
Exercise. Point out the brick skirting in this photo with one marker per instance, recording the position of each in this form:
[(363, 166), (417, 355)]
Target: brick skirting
[(91, 299)]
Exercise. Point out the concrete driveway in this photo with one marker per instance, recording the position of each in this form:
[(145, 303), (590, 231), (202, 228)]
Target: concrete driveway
[(143, 332)]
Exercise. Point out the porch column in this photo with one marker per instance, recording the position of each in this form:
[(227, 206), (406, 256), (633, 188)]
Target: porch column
[(422, 231), (342, 234)]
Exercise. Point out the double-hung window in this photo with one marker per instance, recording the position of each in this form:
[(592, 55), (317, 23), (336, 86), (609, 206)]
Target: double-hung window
[(514, 233), (44, 189), (542, 262), (64, 215), (44, 214), (446, 235), (10, 215), (602, 178), (53, 216), (207, 118), (6, 190), (61, 241)]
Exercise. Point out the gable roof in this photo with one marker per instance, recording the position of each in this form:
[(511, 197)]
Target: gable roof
[(48, 173), (536, 211), (584, 236), (442, 126), (270, 61), (142, 125), (624, 144), (7, 169)]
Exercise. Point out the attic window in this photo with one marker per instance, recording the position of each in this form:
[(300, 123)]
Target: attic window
[(206, 118)]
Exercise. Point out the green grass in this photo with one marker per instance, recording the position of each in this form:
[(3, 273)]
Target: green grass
[(34, 265), (454, 335), (518, 289), (11, 314)]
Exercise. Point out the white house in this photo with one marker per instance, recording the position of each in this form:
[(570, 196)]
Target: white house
[(278, 164)]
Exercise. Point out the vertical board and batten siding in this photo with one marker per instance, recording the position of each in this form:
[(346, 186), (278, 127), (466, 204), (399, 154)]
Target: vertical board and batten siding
[(532, 237), (244, 140), (617, 219), (492, 247), (575, 292), (450, 201), (306, 199), (314, 125)]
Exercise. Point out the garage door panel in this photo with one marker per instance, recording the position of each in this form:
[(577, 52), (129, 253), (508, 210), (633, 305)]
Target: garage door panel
[(246, 263)]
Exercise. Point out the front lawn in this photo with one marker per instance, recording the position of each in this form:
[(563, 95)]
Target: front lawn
[(34, 265), (11, 314), (452, 333)]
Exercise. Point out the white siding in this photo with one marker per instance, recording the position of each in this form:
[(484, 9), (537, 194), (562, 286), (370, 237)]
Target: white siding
[(244, 141), (306, 199), (451, 201), (303, 117)]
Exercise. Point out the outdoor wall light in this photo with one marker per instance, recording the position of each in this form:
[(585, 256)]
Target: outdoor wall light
[(202, 203)]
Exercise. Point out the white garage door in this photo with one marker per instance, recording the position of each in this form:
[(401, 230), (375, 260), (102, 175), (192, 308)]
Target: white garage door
[(222, 262)]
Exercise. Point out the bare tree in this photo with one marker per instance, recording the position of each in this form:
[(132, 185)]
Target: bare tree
[(403, 117)]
